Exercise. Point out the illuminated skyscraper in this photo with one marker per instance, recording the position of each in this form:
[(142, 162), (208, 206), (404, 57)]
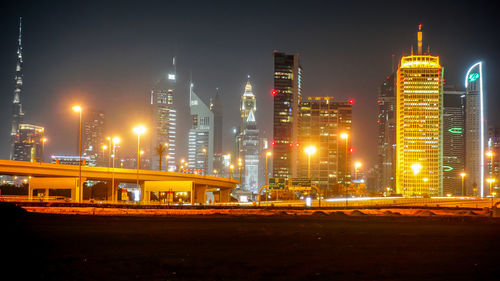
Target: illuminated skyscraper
[(17, 108), (493, 159), (201, 135), (453, 140), (322, 121), (474, 131), (216, 108), (249, 140), (386, 142), (419, 124), (28, 144), (164, 121), (287, 94), (93, 137)]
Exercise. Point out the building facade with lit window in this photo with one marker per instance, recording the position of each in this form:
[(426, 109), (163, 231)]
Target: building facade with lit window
[(474, 132), (201, 135), (164, 120), (249, 140), (493, 159), (386, 142), (93, 137), (322, 122), (287, 94), (419, 130), (453, 139), (28, 143)]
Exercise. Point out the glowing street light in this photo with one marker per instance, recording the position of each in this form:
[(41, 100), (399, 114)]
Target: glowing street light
[(104, 148), (139, 130), (491, 181), (231, 168), (115, 141), (310, 150), (44, 140), (463, 175), (345, 137), (357, 165), (268, 154), (78, 109)]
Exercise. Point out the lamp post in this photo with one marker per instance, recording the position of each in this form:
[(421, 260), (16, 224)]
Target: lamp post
[(44, 140), (268, 154), (204, 150), (463, 174), (78, 109), (109, 151), (104, 148), (491, 181), (215, 172), (345, 136), (181, 167), (116, 141), (357, 165), (309, 150), (166, 157), (231, 168), (139, 130)]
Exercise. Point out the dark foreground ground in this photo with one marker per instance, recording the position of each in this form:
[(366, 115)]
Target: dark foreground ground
[(60, 247)]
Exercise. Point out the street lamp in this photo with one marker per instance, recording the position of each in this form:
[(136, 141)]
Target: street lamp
[(345, 136), (357, 165), (44, 140), (491, 181), (215, 172), (181, 167), (309, 150), (268, 154), (139, 130), (78, 109), (116, 141), (463, 174), (104, 148), (109, 151), (204, 150), (231, 168)]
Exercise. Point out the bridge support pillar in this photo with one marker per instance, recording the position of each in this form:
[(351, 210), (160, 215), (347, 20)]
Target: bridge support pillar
[(224, 195), (200, 194)]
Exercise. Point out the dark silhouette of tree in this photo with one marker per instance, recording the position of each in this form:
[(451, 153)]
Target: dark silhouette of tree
[(160, 150)]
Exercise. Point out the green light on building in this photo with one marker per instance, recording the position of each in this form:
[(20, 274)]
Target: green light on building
[(473, 76), (447, 168), (456, 130)]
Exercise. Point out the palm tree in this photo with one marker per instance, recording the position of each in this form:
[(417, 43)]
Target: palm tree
[(160, 149)]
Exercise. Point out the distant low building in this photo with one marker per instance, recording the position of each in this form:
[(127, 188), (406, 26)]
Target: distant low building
[(71, 160)]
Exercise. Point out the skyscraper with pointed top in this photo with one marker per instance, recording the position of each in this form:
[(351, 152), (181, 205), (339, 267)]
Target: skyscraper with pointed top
[(249, 140), (164, 121), (419, 130), (201, 135), (17, 108)]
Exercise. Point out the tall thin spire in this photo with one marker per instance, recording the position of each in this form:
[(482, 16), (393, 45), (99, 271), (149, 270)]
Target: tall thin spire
[(419, 38), (17, 109)]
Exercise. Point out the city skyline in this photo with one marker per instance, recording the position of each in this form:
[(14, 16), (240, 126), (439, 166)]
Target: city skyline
[(47, 96)]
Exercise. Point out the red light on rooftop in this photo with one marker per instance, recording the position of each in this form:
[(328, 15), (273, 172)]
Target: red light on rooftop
[(273, 143), (351, 150), (351, 101), (274, 92)]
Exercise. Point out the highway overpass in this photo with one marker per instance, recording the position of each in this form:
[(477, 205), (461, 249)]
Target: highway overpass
[(201, 183)]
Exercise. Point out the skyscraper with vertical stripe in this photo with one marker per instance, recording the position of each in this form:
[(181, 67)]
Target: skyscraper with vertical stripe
[(17, 108)]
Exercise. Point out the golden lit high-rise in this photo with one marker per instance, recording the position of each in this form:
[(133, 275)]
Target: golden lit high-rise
[(419, 124)]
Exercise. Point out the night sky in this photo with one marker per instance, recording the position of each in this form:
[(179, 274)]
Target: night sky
[(109, 54)]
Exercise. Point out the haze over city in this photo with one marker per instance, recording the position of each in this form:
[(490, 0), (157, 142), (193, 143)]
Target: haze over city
[(109, 56)]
